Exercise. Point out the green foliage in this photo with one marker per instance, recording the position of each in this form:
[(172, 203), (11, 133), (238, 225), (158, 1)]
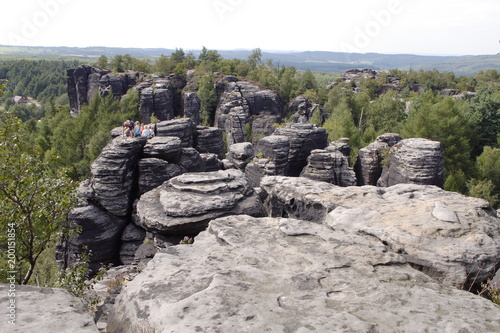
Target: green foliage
[(208, 98), (487, 184), (102, 61), (34, 200)]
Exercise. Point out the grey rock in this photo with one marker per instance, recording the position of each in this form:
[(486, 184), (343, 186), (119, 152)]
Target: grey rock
[(263, 126), (462, 253), (191, 161), (167, 148), (368, 167), (416, 161), (240, 154), (283, 275), (114, 173), (128, 252), (191, 105), (211, 162), (100, 233), (209, 140), (133, 232), (83, 83), (153, 172), (303, 138), (276, 148), (182, 128), (185, 204), (44, 310), (329, 166)]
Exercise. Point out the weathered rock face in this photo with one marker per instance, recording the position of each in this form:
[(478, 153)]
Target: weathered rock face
[(182, 128), (209, 140), (263, 126), (157, 101), (368, 165), (185, 204), (240, 154), (100, 232), (83, 83), (416, 161), (239, 103), (154, 171), (45, 310), (114, 172), (191, 105), (450, 237), (286, 275), (167, 148), (329, 166), (303, 138)]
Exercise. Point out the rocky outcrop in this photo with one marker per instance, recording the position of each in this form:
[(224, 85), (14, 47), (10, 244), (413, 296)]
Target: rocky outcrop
[(303, 138), (83, 83), (416, 161), (240, 154), (239, 103), (208, 140), (154, 171), (191, 105), (44, 310), (368, 167), (263, 126), (452, 238), (182, 128), (159, 102), (185, 204), (329, 165), (286, 275), (114, 173)]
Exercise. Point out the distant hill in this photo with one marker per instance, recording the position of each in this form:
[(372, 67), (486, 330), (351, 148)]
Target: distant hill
[(313, 60)]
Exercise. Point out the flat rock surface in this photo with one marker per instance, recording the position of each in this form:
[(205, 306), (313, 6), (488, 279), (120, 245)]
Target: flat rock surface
[(249, 274), (45, 310), (453, 238)]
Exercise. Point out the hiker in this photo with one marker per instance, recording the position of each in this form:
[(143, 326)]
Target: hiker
[(148, 131), (137, 129), (127, 128)]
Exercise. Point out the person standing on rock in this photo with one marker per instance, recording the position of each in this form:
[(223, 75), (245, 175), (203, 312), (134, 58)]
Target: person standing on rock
[(137, 129), (127, 128)]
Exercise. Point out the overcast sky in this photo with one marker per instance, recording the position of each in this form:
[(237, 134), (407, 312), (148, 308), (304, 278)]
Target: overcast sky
[(443, 27)]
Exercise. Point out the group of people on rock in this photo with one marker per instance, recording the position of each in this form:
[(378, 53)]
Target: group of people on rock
[(135, 128)]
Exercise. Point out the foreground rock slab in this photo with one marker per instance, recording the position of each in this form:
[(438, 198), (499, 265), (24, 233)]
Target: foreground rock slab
[(249, 274), (45, 310), (453, 238)]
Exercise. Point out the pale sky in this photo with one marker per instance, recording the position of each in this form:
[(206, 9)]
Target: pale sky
[(443, 27)]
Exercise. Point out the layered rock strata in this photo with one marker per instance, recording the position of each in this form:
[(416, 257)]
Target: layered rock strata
[(416, 161), (185, 204), (286, 275), (452, 238)]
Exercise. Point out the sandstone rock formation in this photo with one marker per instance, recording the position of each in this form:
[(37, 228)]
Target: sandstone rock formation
[(329, 165), (185, 204), (303, 138), (247, 274), (240, 154), (45, 310), (416, 161), (368, 165), (452, 238), (239, 103)]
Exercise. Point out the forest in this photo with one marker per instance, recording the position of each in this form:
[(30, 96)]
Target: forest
[(44, 141)]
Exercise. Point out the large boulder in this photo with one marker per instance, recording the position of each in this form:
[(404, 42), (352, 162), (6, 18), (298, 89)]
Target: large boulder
[(154, 171), (303, 138), (240, 154), (185, 204), (167, 148), (329, 166), (43, 310), (114, 173), (249, 274), (100, 235), (209, 140), (415, 161), (452, 238), (368, 167), (191, 105), (182, 128)]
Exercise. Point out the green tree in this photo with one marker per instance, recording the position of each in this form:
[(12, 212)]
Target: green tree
[(117, 63), (102, 61), (208, 98), (34, 200)]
